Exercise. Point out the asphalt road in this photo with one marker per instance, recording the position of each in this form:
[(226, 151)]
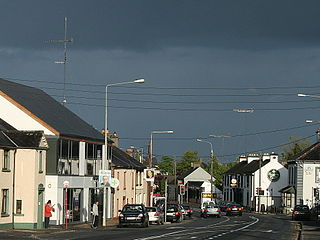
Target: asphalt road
[(248, 226)]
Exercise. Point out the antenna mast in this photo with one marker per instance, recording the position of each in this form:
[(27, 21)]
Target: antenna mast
[(64, 62)]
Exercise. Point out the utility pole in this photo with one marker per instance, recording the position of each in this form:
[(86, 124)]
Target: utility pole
[(259, 191), (64, 62)]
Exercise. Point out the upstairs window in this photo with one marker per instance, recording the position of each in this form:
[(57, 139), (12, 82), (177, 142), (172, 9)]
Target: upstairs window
[(40, 163), (6, 161)]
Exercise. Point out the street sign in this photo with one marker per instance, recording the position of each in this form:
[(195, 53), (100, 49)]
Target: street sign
[(114, 183)]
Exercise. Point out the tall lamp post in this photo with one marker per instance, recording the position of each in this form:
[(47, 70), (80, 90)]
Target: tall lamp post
[(211, 169), (151, 157), (105, 163), (223, 137)]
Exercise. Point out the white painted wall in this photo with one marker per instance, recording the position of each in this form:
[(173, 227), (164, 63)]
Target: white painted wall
[(309, 182), (19, 119)]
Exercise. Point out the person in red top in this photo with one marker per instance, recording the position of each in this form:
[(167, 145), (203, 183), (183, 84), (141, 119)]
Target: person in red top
[(47, 213)]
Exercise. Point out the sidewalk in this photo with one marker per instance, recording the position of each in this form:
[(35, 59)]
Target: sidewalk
[(310, 230), (61, 228)]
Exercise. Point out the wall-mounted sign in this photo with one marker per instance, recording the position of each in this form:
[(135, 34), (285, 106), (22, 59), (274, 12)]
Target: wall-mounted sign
[(207, 195), (234, 182), (273, 175)]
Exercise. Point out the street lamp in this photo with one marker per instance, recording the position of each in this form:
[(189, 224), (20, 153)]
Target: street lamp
[(211, 156), (223, 137), (151, 157), (140, 152), (249, 110), (307, 95), (105, 163)]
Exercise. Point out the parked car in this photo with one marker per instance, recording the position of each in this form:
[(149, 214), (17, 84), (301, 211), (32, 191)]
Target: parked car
[(174, 213), (134, 214), (301, 212), (188, 210), (212, 210), (234, 209), (155, 215)]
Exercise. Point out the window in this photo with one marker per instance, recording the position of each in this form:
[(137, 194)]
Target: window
[(132, 174), (40, 162), (124, 180), (5, 203), (6, 161), (19, 207)]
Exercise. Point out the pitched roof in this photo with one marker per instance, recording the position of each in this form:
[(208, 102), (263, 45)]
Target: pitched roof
[(246, 168), (121, 159), (310, 153), (5, 126), (182, 176), (20, 139), (47, 109)]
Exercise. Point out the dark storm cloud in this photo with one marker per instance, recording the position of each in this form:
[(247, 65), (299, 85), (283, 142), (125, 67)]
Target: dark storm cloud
[(148, 24)]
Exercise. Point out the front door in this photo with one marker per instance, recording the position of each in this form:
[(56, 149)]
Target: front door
[(40, 207)]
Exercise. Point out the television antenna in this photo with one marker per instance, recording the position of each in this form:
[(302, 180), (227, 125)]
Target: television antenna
[(64, 62)]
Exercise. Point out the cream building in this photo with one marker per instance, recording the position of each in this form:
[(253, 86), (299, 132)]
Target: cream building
[(22, 179)]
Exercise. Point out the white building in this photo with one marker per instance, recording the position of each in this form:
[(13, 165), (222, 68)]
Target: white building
[(242, 182), (198, 180), (304, 178)]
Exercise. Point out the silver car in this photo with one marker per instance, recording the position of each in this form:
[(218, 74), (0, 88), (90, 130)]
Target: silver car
[(212, 210)]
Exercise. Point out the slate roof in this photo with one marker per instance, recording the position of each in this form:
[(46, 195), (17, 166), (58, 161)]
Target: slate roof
[(121, 159), (50, 111), (20, 139), (310, 153), (5, 126), (246, 168)]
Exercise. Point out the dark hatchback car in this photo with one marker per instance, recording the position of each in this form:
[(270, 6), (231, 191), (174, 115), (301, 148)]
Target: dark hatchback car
[(234, 209), (188, 210), (134, 214), (301, 212), (174, 213)]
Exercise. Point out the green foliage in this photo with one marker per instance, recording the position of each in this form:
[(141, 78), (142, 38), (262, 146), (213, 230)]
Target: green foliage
[(186, 160), (294, 148), (218, 169), (167, 165)]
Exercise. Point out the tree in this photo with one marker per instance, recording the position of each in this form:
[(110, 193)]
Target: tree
[(167, 165), (218, 170), (186, 161), (297, 145)]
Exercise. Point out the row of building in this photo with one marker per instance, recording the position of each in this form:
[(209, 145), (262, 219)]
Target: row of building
[(43, 146), (262, 183)]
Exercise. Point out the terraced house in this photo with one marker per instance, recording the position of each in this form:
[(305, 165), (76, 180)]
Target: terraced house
[(22, 177)]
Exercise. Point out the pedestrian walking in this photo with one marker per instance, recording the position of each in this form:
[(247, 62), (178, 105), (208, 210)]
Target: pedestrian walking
[(48, 209), (95, 213)]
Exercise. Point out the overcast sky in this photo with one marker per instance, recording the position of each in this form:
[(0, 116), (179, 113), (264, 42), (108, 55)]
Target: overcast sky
[(200, 60)]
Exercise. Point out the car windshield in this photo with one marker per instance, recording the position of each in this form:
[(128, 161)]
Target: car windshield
[(151, 209), (186, 207), (132, 208)]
